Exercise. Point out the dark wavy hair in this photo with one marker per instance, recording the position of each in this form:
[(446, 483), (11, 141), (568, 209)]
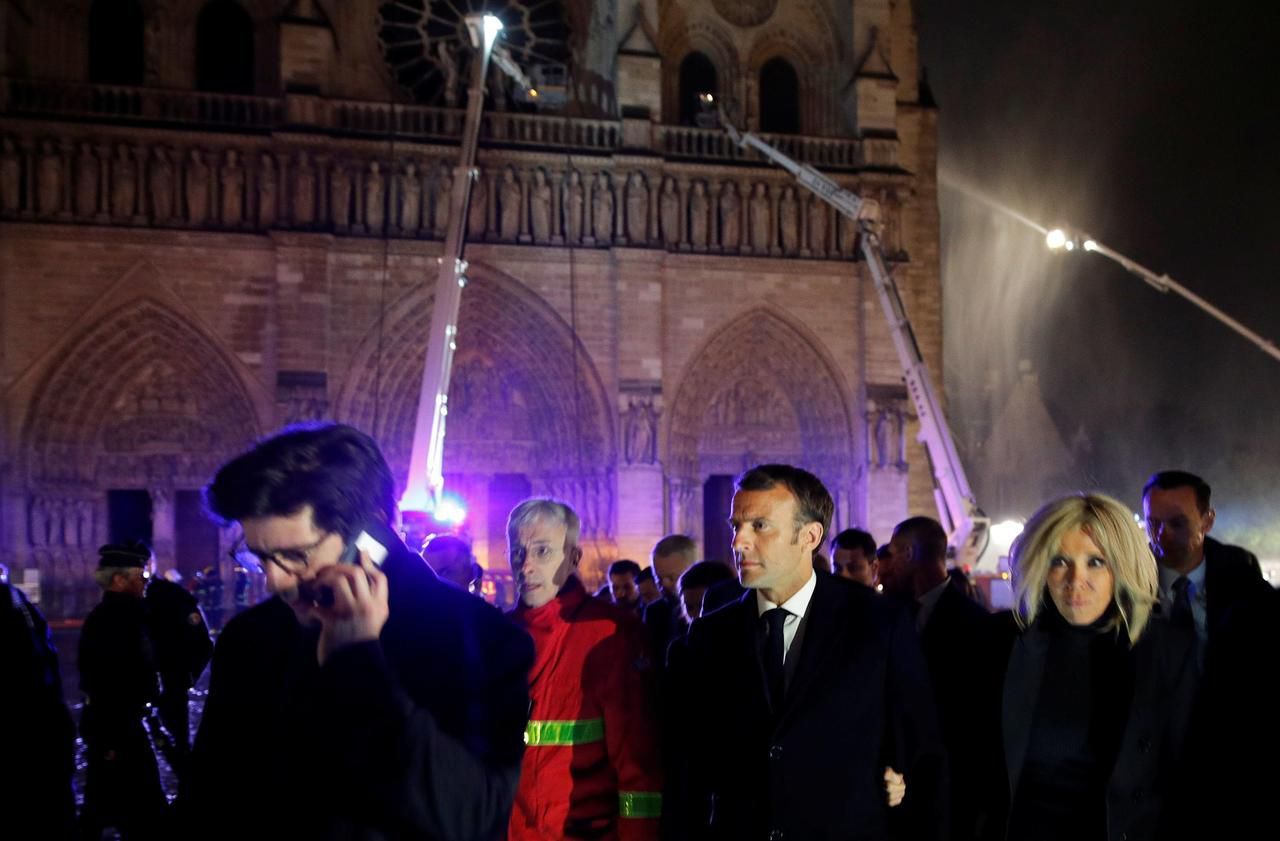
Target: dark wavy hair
[(337, 470), (813, 500)]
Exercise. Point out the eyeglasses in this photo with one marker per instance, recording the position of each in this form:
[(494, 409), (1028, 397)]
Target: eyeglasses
[(292, 560)]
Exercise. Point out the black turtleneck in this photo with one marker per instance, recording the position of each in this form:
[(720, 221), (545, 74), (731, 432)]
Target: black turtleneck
[(1077, 726)]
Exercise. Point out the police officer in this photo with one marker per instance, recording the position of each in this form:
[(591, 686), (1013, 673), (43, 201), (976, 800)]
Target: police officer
[(118, 676), (180, 638)]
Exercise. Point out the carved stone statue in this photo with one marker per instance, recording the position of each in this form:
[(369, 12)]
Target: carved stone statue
[(760, 220), (161, 184), (197, 186), (340, 191), (10, 177), (881, 436), (669, 213), (637, 209), (268, 190), (730, 217), (540, 206), (304, 190), (789, 220), (49, 177), (478, 212), (124, 183), (509, 202), (574, 207), (443, 196), (409, 199), (86, 181), (602, 209), (848, 235), (640, 433), (818, 226), (448, 63), (373, 198), (699, 208), (232, 179)]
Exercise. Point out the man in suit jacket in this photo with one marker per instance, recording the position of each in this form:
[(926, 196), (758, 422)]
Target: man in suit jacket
[(952, 630), (800, 693), (1201, 580)]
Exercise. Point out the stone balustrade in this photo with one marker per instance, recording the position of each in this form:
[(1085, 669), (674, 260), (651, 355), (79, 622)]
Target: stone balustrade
[(698, 197)]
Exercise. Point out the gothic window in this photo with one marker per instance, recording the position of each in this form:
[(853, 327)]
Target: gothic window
[(779, 97), (697, 76), (224, 48), (115, 42), (428, 50)]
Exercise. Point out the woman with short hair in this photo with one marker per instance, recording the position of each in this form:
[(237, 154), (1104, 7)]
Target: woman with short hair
[(1096, 693)]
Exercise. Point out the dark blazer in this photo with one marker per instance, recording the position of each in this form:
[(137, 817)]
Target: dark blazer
[(811, 768), (419, 734), (1150, 771), (1232, 575), (953, 640)]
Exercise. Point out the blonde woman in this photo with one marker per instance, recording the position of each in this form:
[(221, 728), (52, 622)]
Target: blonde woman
[(1096, 693)]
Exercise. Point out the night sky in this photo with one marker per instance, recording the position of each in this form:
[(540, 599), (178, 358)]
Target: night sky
[(1151, 126)]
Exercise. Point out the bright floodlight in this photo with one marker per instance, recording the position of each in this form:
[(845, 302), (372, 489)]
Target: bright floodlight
[(1090, 245), (1005, 533), (450, 511), (1055, 239), (707, 98), (492, 26)]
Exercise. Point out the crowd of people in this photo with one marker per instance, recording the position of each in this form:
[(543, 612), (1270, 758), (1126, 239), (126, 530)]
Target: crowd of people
[(820, 687)]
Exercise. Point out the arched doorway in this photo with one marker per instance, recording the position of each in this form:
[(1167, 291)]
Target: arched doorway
[(527, 408), (760, 390)]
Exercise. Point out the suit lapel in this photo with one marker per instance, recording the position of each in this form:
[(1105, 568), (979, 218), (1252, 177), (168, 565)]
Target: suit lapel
[(823, 629), (1021, 691)]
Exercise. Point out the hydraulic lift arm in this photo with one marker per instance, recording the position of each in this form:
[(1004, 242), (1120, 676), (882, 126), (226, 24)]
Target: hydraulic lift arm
[(958, 511)]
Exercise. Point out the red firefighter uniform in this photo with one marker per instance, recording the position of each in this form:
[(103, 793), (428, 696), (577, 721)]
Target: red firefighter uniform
[(591, 766)]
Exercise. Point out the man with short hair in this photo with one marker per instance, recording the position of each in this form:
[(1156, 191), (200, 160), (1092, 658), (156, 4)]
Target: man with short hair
[(451, 558), (765, 679), (694, 584), (1201, 580), (671, 556), (663, 618), (952, 629), (591, 768), (366, 699), (853, 556), (623, 589), (647, 585)]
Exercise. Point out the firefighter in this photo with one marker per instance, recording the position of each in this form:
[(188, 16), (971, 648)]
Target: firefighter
[(591, 766)]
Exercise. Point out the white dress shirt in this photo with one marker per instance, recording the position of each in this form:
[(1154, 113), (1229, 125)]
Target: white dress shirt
[(796, 606)]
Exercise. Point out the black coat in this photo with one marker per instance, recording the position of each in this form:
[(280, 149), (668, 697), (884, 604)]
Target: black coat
[(953, 640), (1150, 772), (416, 736), (1231, 576), (857, 700)]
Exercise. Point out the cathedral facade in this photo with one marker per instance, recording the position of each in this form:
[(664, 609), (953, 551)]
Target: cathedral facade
[(218, 218)]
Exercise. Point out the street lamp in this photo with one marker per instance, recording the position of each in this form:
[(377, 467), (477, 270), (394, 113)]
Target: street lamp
[(1066, 239)]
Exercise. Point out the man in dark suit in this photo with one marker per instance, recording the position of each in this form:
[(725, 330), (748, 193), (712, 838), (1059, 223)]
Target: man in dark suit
[(367, 699), (952, 630), (800, 693), (1201, 580)]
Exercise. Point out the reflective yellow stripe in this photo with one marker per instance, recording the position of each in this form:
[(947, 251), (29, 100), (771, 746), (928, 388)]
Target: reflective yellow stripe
[(581, 732), (640, 804)]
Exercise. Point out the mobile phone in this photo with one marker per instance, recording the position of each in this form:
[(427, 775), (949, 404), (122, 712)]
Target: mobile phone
[(373, 549)]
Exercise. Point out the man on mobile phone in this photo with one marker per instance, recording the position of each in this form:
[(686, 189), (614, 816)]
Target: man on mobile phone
[(367, 698)]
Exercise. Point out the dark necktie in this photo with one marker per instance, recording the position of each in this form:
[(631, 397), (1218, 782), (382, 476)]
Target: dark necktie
[(774, 651), (1181, 615)]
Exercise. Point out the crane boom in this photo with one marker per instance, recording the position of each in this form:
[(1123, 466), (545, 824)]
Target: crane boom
[(958, 511)]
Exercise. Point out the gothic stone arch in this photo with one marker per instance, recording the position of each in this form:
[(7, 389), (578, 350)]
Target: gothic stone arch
[(524, 396), (759, 390), (142, 399)]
